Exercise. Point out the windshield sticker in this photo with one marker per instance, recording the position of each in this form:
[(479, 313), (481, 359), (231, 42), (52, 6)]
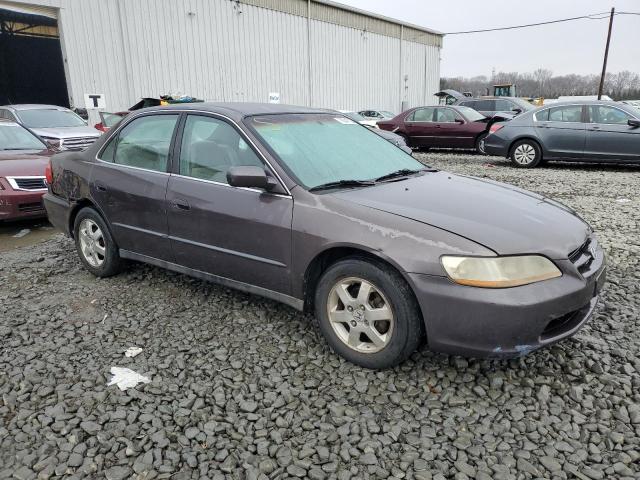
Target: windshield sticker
[(345, 121)]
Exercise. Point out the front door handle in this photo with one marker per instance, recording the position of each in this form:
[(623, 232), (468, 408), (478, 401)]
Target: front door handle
[(181, 204)]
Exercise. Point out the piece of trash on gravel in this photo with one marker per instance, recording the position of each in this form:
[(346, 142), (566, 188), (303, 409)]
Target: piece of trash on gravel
[(126, 378), (488, 165), (623, 200), (22, 233), (132, 352)]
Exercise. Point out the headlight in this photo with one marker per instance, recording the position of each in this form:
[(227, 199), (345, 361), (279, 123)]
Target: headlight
[(499, 272)]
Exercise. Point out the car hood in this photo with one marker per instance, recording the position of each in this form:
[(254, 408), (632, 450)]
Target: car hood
[(501, 217), (17, 162), (67, 132)]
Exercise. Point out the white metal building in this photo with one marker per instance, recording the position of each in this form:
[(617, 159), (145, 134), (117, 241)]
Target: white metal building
[(310, 52)]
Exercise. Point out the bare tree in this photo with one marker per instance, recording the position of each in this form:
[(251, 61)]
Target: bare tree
[(541, 83)]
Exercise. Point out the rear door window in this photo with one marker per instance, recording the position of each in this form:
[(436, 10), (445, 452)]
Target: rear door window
[(542, 115), (570, 113), (143, 143), (422, 115)]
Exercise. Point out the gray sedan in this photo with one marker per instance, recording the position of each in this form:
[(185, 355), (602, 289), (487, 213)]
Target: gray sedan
[(306, 207), (575, 131)]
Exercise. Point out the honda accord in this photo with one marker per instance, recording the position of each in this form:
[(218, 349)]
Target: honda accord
[(309, 208)]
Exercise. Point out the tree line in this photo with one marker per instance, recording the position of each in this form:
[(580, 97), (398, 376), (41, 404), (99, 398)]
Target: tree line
[(623, 85)]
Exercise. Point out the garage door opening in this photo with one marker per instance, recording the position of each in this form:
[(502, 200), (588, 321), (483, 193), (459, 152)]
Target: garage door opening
[(31, 63)]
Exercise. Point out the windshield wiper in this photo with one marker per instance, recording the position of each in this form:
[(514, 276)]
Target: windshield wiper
[(401, 173), (342, 183)]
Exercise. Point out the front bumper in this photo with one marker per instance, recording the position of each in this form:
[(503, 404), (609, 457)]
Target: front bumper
[(481, 322), (16, 204)]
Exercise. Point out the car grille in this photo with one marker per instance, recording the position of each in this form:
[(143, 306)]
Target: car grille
[(584, 256), (31, 207), (78, 143), (27, 183)]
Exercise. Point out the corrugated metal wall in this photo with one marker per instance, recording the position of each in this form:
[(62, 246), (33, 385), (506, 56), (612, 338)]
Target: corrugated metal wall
[(233, 51)]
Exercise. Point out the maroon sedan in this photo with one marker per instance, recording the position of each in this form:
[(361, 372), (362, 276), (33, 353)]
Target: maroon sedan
[(23, 161), (442, 127)]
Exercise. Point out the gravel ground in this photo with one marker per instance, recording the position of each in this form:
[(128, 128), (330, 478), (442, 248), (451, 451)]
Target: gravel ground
[(243, 387)]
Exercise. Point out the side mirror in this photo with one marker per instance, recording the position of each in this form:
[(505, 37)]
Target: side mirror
[(459, 120), (407, 149), (634, 122), (517, 111), (250, 177)]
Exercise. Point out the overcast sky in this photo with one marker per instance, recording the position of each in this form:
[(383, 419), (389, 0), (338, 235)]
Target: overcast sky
[(573, 47)]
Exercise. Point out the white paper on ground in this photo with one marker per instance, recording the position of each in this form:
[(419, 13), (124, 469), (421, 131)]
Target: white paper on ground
[(623, 200), (126, 378), (22, 233), (132, 351)]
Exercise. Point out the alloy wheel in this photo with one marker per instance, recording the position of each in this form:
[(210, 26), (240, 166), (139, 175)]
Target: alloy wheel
[(92, 243), (524, 154), (360, 315)]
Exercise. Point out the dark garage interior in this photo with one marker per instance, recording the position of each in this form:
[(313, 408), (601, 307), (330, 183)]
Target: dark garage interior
[(31, 63)]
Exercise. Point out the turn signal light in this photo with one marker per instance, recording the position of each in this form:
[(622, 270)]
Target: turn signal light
[(48, 173), (495, 127)]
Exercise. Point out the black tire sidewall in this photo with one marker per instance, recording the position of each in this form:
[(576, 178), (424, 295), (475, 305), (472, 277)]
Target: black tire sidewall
[(112, 262), (408, 329), (535, 146)]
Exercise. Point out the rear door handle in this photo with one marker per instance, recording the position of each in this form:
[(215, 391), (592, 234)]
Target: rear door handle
[(100, 187), (181, 204)]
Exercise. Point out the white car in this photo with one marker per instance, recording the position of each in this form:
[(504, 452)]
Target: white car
[(356, 117), (61, 128), (377, 114)]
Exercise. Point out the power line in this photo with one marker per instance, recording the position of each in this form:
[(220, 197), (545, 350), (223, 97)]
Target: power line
[(593, 16)]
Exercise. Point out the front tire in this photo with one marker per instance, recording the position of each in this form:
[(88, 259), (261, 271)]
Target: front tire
[(367, 313), (95, 245), (525, 154)]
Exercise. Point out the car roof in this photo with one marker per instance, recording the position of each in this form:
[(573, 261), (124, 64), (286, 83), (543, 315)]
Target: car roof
[(238, 110), (33, 106)]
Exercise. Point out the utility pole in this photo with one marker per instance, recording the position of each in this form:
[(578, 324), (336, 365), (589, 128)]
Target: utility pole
[(606, 55)]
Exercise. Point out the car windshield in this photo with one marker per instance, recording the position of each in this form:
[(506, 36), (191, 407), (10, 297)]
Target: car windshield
[(50, 118), (471, 114), (14, 137), (323, 148)]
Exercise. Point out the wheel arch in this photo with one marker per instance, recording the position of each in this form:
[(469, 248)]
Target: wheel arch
[(330, 255), (79, 205)]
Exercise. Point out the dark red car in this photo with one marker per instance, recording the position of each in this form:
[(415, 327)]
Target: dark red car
[(442, 127), (23, 161)]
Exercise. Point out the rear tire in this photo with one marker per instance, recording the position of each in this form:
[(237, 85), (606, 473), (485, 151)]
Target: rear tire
[(95, 245), (525, 154), (367, 313)]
